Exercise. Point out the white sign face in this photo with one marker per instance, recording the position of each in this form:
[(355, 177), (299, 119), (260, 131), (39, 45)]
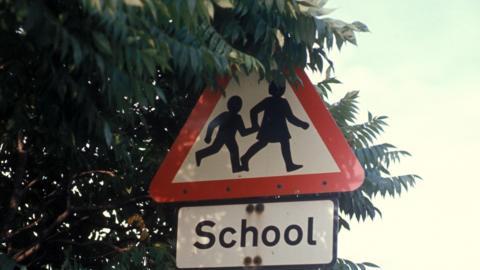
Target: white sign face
[(284, 233), (306, 147)]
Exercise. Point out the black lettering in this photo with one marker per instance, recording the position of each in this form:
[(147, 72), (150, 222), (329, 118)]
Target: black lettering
[(210, 236), (289, 240), (311, 241), (244, 231), (276, 238), (221, 237)]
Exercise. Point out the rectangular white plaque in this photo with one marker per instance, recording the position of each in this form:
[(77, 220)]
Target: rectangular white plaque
[(284, 233)]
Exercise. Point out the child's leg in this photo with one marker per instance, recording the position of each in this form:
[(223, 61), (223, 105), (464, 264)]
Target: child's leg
[(287, 156), (259, 145), (208, 151), (234, 155)]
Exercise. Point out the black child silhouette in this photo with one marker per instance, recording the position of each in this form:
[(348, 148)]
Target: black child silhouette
[(273, 129), (228, 123)]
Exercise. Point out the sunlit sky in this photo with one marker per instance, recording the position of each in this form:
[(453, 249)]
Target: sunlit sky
[(419, 66)]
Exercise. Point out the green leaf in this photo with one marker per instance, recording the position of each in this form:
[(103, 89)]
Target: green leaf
[(224, 3), (344, 223), (191, 5), (77, 51), (259, 31), (280, 38), (369, 264), (280, 5), (102, 43), (361, 27), (149, 63), (268, 4), (161, 94), (210, 8), (136, 3), (107, 132)]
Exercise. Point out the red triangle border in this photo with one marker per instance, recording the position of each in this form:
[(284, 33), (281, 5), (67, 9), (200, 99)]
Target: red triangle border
[(349, 178)]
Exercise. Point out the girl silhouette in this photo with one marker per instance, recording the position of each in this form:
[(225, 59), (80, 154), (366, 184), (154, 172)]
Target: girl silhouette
[(276, 113)]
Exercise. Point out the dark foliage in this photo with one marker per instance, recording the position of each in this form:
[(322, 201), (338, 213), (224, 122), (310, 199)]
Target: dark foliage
[(92, 94)]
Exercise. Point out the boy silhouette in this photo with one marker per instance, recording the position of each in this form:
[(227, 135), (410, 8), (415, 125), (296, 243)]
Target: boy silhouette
[(276, 112), (228, 122)]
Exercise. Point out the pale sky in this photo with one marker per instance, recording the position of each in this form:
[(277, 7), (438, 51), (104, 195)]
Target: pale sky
[(419, 66)]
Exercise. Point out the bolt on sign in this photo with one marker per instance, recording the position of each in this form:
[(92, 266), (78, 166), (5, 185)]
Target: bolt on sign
[(259, 139), (269, 234)]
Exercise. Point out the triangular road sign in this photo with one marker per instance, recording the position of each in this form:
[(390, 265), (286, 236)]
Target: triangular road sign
[(259, 139)]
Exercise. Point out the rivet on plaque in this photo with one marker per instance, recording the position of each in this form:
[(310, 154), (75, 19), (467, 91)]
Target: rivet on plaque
[(259, 208), (257, 260), (247, 261)]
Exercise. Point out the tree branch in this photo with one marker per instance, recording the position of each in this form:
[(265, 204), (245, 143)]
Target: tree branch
[(92, 242), (18, 191), (114, 247), (25, 253), (110, 205), (13, 234), (109, 173), (22, 255)]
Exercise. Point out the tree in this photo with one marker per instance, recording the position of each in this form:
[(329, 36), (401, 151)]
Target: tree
[(92, 94)]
